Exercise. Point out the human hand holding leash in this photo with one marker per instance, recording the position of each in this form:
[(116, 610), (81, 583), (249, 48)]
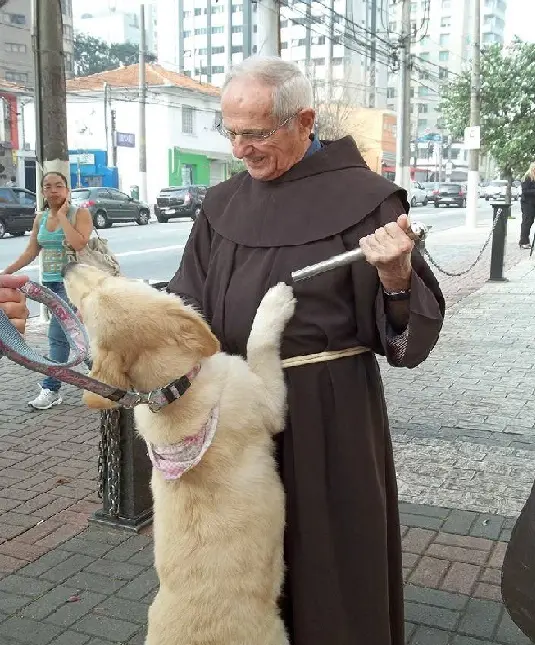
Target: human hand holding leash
[(12, 301)]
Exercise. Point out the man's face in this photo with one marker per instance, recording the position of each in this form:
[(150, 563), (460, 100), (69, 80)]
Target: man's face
[(247, 113)]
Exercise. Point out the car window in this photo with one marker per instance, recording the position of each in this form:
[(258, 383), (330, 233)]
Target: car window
[(80, 194), (102, 194), (498, 183), (6, 196), (117, 195), (24, 197), (175, 192)]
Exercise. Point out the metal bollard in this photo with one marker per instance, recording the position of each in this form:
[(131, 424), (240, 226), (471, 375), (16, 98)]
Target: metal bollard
[(502, 211), (124, 469)]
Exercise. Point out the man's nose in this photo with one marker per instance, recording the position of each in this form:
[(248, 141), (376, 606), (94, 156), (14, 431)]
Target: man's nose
[(240, 147)]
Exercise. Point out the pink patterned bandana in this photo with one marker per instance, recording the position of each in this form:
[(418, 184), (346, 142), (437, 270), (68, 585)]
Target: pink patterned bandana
[(176, 459)]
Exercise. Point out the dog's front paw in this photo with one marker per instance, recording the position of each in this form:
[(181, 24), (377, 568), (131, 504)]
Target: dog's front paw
[(278, 303)]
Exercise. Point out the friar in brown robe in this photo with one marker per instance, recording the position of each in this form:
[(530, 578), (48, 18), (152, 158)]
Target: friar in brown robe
[(342, 548)]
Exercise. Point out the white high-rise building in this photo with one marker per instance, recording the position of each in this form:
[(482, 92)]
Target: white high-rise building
[(330, 39), (441, 50)]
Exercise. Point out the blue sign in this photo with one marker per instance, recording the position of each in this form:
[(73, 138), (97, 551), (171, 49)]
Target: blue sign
[(430, 137), (125, 140)]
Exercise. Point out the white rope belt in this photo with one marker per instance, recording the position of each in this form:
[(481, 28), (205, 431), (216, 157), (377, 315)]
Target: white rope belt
[(322, 357)]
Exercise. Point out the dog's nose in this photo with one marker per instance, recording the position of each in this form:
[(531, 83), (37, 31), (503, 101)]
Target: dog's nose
[(67, 268)]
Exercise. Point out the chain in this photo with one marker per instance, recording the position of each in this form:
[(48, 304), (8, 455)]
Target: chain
[(478, 258), (109, 461)]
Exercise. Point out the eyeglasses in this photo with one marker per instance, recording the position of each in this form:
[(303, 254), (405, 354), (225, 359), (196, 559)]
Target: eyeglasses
[(253, 136)]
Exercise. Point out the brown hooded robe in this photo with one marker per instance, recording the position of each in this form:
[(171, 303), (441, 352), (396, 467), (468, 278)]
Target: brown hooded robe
[(342, 547)]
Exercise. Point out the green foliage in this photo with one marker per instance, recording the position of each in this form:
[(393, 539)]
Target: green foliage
[(92, 55), (507, 105)]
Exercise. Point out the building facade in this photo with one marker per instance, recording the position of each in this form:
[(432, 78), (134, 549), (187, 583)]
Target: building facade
[(16, 46), (331, 40), (441, 49), (183, 145)]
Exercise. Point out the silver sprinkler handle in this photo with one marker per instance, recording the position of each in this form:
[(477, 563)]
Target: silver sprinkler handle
[(417, 233)]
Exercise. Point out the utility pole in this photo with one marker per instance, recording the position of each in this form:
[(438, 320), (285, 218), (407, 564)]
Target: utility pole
[(247, 27), (403, 149), (113, 121), (475, 118), (373, 55), (142, 107), (267, 20), (50, 98)]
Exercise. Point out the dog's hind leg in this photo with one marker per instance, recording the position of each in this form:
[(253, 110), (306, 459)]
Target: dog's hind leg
[(263, 347)]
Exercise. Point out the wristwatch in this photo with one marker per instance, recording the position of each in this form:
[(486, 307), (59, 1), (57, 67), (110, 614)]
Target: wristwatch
[(404, 294)]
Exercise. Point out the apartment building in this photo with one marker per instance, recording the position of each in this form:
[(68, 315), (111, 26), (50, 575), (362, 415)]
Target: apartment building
[(330, 39), (16, 60), (441, 49)]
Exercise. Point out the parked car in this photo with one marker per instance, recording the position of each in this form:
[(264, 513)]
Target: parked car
[(431, 189), (418, 194), (497, 189), (450, 194), (109, 205), (17, 211), (179, 201)]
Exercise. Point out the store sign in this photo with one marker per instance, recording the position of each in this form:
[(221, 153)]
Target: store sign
[(84, 159), (125, 140)]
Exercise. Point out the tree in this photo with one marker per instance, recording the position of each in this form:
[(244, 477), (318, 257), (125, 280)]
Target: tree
[(92, 55), (507, 106)]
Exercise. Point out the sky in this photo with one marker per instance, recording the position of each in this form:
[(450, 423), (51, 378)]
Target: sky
[(520, 20)]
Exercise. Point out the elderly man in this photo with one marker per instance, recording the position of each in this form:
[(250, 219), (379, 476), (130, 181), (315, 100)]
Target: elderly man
[(300, 201)]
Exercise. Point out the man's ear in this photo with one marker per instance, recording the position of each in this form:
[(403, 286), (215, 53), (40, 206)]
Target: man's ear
[(109, 368)]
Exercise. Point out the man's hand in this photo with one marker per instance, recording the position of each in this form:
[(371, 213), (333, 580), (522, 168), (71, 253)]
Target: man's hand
[(12, 301), (389, 250)]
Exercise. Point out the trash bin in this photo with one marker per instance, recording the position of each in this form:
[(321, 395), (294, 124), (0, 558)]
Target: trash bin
[(501, 211), (134, 192), (124, 468)]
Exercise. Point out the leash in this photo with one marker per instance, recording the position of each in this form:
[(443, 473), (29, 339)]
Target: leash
[(15, 348)]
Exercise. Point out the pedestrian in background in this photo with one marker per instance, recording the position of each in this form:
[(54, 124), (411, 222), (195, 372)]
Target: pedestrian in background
[(527, 203), (58, 223)]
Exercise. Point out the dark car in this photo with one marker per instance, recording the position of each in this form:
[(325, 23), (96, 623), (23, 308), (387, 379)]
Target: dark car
[(17, 211), (109, 206), (450, 194), (179, 201), (431, 188)]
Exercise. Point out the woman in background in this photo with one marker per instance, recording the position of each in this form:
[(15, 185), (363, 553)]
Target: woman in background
[(527, 202)]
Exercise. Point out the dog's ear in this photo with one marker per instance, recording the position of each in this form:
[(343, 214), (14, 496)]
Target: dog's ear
[(191, 331), (108, 367)]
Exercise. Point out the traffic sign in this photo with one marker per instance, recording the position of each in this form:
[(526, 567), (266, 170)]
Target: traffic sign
[(472, 138)]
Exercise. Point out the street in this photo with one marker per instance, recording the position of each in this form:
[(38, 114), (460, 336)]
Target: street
[(154, 251)]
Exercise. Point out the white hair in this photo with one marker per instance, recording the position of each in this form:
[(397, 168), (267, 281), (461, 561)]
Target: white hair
[(292, 90)]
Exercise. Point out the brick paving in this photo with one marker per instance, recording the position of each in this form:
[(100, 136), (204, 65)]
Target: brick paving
[(464, 439)]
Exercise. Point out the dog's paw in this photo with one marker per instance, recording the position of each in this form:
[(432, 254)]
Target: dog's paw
[(278, 304)]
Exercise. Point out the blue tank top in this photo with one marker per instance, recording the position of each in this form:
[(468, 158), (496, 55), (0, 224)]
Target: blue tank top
[(53, 250)]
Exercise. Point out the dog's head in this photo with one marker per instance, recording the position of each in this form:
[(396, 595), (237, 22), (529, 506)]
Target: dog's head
[(140, 338)]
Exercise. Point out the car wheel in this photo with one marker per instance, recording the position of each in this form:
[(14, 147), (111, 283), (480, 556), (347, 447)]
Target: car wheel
[(437, 205), (161, 219), (18, 234), (144, 218), (2, 229), (425, 202), (101, 220), (413, 202), (196, 213)]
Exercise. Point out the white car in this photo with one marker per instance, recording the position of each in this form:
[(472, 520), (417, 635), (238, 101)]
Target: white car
[(418, 194), (497, 189)]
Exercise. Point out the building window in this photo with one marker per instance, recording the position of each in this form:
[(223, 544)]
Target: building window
[(16, 47), (445, 22), (218, 50), (236, 49), (197, 12), (201, 31), (443, 73), (217, 30), (284, 23), (237, 29), (422, 124), (424, 56), (444, 56), (423, 108), (444, 40), (423, 90), (255, 28), (65, 8), (392, 26), (423, 76), (284, 45), (318, 40), (237, 8), (218, 69), (301, 42), (200, 52), (425, 41), (414, 8), (14, 18), (187, 34), (186, 14), (16, 77), (446, 4), (391, 93), (338, 61), (219, 8), (188, 119), (318, 61)]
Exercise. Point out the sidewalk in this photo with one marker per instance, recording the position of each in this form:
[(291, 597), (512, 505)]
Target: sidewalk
[(463, 428)]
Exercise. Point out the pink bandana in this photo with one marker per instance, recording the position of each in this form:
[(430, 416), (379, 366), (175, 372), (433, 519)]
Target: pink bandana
[(176, 459)]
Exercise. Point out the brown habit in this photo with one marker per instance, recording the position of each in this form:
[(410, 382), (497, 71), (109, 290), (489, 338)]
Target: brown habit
[(342, 548)]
